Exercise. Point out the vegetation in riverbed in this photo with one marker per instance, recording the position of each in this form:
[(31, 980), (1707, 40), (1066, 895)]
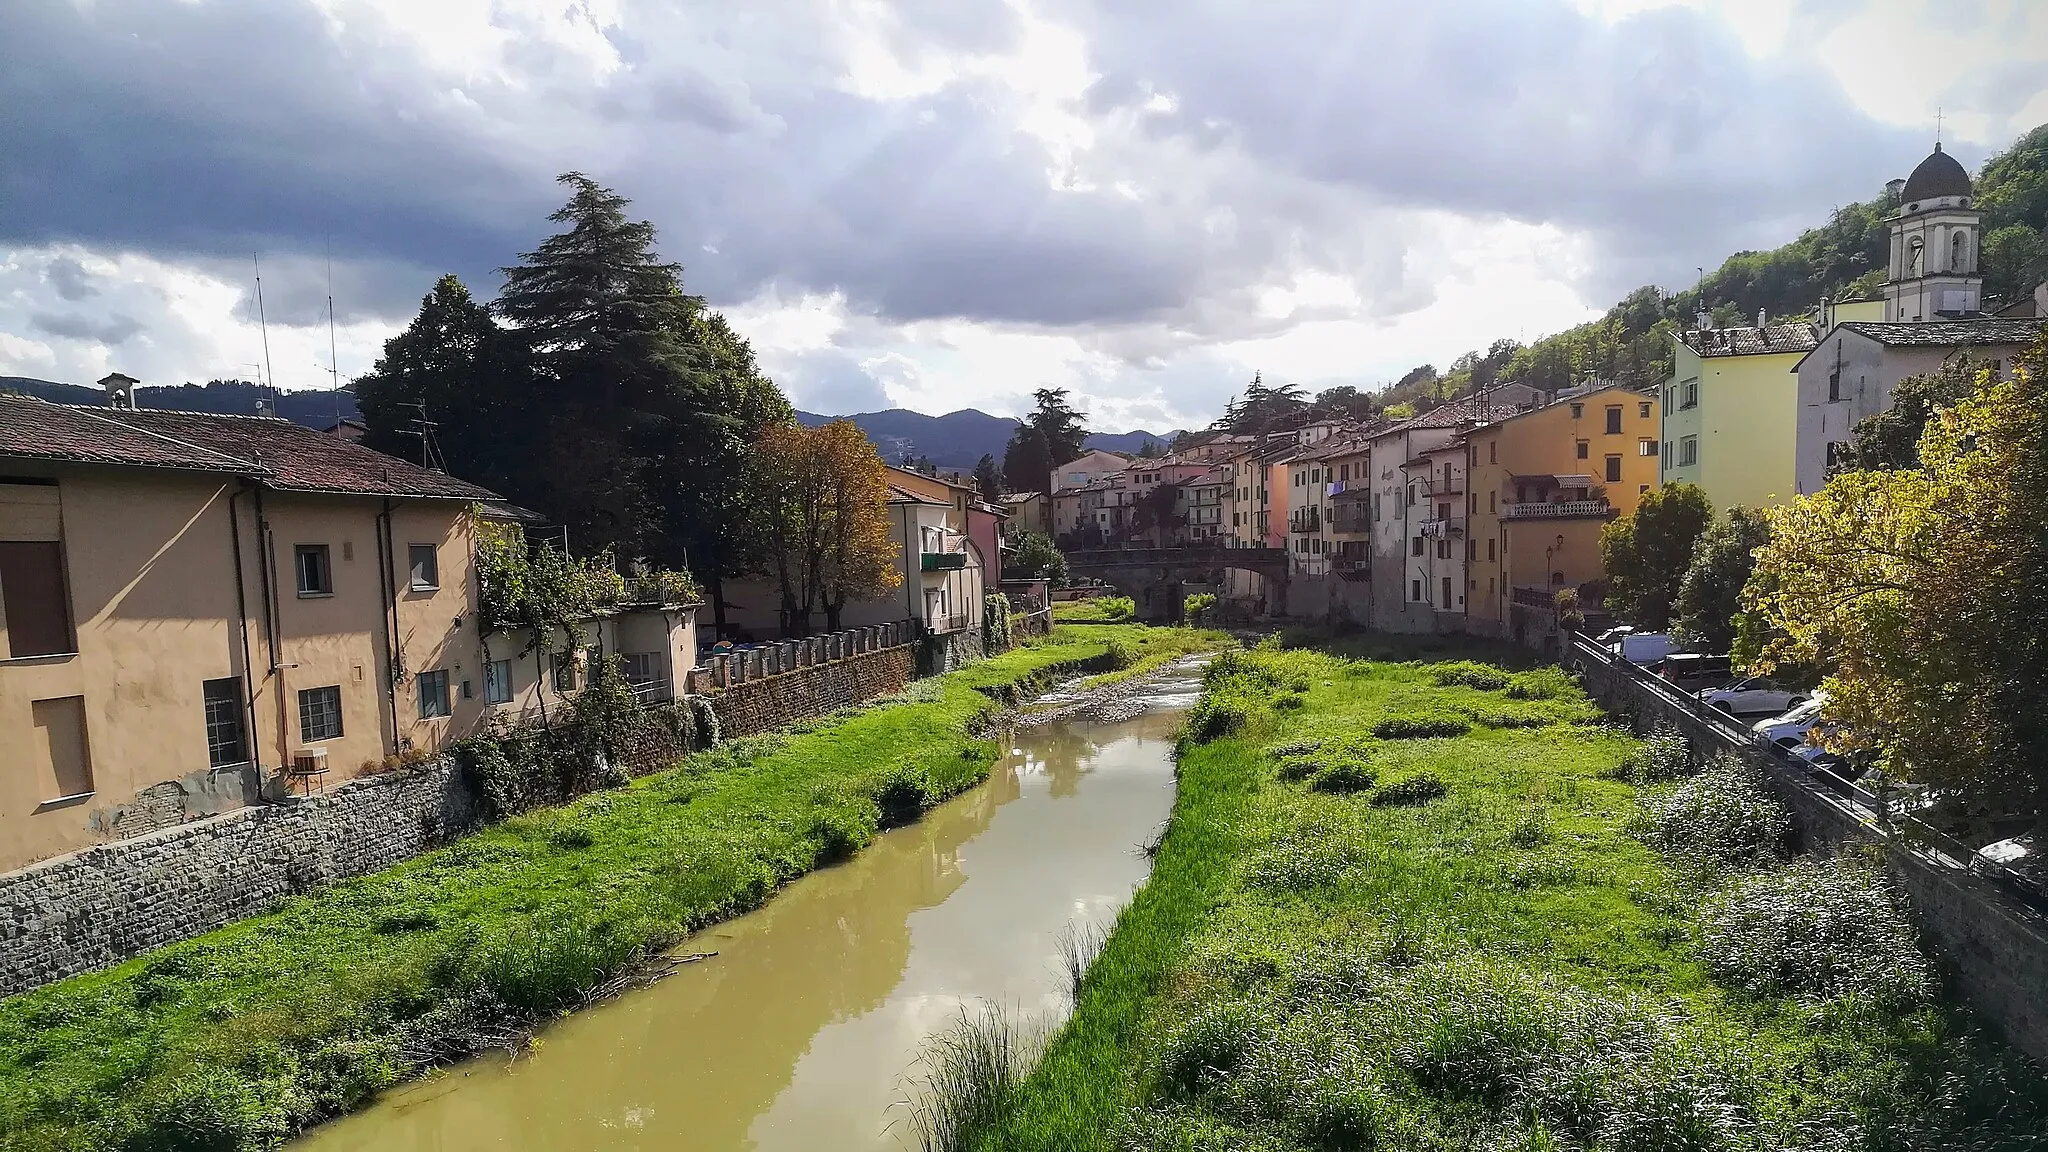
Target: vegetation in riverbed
[(235, 1039), (1095, 610), (1473, 944)]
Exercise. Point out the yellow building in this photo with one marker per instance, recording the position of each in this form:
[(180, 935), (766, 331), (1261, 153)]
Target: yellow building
[(1541, 486)]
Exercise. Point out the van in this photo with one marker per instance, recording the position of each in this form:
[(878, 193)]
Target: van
[(1693, 671), (1645, 647)]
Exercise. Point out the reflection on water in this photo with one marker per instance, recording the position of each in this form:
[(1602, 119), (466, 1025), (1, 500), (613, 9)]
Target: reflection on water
[(797, 1035)]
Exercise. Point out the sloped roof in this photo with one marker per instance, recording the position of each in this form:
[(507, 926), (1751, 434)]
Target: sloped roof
[(1771, 340), (283, 455), (1949, 333), (900, 495)]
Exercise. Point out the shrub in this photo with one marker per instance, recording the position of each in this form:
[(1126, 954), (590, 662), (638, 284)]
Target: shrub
[(1344, 776), (1471, 674), (1410, 791), (1421, 726), (573, 838), (1198, 608), (1208, 1047), (1290, 701), (1721, 816), (209, 1110), (904, 796), (995, 623), (1531, 831), (1665, 755), (1120, 653), (1213, 718), (1116, 607), (1540, 684), (842, 831), (1816, 928)]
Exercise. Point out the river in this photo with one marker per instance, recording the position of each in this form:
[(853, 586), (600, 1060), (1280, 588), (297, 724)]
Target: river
[(803, 1031)]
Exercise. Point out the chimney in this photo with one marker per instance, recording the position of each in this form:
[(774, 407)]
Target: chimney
[(1760, 318), (120, 390), (1893, 189), (1704, 320)]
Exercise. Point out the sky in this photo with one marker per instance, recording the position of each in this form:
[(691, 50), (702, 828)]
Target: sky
[(940, 204)]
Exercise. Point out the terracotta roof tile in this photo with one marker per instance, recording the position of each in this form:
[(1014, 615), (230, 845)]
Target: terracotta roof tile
[(1770, 340)]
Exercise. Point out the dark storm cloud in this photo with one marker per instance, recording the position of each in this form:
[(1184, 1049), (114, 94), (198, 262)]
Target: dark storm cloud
[(70, 279), (112, 330)]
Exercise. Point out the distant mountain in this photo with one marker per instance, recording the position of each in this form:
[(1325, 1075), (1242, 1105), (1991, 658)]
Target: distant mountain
[(317, 409), (960, 439)]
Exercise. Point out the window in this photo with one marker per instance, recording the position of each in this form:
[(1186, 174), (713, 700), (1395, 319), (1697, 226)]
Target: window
[(1613, 469), (59, 753), (1491, 507), (498, 682), (1692, 395), (225, 743), (32, 590), (320, 714), (563, 665), (1838, 452), (1489, 549), (1582, 449), (593, 661), (1415, 590), (433, 690), (1578, 410), (1835, 385), (426, 567), (1415, 546), (1667, 453), (1643, 410), (1614, 419), (1688, 451), (1443, 549), (316, 577), (1471, 549), (1957, 250), (1646, 448), (1493, 451), (1446, 601)]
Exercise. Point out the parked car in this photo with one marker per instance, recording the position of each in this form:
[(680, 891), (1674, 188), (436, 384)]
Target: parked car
[(1612, 636), (1694, 671), (1644, 647), (2022, 859), (1796, 722), (1753, 695)]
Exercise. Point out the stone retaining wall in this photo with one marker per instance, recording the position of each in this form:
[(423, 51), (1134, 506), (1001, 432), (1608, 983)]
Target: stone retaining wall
[(1993, 946), (767, 703)]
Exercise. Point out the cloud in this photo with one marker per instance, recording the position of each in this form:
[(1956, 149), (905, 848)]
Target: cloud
[(939, 202)]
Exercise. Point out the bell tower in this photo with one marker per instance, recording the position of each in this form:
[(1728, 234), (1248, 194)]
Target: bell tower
[(1934, 272)]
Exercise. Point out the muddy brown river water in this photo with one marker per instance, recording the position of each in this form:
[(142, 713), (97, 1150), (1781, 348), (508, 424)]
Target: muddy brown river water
[(802, 1032)]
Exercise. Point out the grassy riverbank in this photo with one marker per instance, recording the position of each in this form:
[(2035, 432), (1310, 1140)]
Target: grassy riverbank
[(235, 1039), (1412, 906)]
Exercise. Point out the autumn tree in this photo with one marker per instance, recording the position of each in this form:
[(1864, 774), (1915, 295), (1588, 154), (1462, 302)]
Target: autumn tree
[(1710, 593), (786, 488), (1921, 588), (857, 556), (1647, 552)]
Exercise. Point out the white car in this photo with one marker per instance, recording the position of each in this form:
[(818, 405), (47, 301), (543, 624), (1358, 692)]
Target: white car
[(1795, 723), (1753, 695), (1612, 636), (1644, 647), (2022, 860)]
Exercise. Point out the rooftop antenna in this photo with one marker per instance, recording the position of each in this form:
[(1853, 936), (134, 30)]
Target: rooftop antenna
[(333, 357), (430, 452), (263, 325)]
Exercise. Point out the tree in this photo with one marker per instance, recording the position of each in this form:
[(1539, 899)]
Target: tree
[(987, 481), (1647, 552), (1343, 402), (1027, 463), (1151, 449), (459, 369), (857, 557), (1922, 589), (1710, 594), (608, 329), (787, 488), (1156, 510), (1266, 408), (1036, 557), (1891, 439), (1051, 435)]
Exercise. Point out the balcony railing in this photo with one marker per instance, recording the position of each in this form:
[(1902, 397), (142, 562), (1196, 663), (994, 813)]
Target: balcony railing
[(1560, 510), (944, 561), (1524, 596), (1441, 529)]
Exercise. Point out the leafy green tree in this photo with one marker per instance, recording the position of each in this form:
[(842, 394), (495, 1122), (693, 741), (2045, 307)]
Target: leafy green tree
[(1036, 557), (988, 480), (1921, 588), (1343, 402), (609, 332), (2015, 260), (1051, 435), (1891, 439), (1151, 449), (466, 375), (1710, 594), (1266, 408), (1647, 552)]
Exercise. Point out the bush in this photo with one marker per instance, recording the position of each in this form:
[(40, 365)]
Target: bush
[(1344, 776), (1721, 816), (1116, 607), (1197, 609), (1665, 755), (1471, 674), (1119, 653), (210, 1110), (1816, 928), (1421, 726), (1540, 684), (1213, 718), (1410, 791), (1208, 1047)]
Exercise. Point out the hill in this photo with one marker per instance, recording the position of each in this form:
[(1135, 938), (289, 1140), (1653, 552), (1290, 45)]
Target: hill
[(314, 409), (959, 439)]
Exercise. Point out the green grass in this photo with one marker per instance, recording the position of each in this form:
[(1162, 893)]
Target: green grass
[(236, 1038), (1094, 610), (1501, 963)]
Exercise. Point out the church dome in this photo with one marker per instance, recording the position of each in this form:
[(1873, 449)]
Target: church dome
[(1938, 175)]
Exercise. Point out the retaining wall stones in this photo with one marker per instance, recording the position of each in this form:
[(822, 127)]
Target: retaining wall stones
[(760, 705)]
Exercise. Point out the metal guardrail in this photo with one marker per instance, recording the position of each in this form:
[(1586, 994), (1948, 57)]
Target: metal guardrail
[(1875, 811)]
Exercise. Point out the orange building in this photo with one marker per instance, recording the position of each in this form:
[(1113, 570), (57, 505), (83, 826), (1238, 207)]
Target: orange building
[(1542, 485)]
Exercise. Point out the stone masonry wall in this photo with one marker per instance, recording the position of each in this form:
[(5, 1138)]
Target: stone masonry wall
[(1993, 947), (105, 904)]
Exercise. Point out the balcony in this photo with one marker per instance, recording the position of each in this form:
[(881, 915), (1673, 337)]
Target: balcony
[(944, 561), (1559, 510), (1524, 596), (1449, 528)]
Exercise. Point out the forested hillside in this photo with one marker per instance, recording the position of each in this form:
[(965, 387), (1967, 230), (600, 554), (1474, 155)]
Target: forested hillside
[(1843, 259)]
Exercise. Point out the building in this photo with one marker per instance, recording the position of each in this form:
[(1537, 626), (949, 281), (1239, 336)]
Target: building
[(1088, 467), (1199, 508), (192, 603), (1933, 272), (1851, 374), (1539, 494), (1731, 412), (1028, 511)]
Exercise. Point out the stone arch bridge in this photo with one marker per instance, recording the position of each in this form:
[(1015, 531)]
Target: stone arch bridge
[(1154, 577)]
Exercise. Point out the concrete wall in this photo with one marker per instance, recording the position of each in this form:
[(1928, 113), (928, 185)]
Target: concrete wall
[(762, 705), (1992, 947)]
